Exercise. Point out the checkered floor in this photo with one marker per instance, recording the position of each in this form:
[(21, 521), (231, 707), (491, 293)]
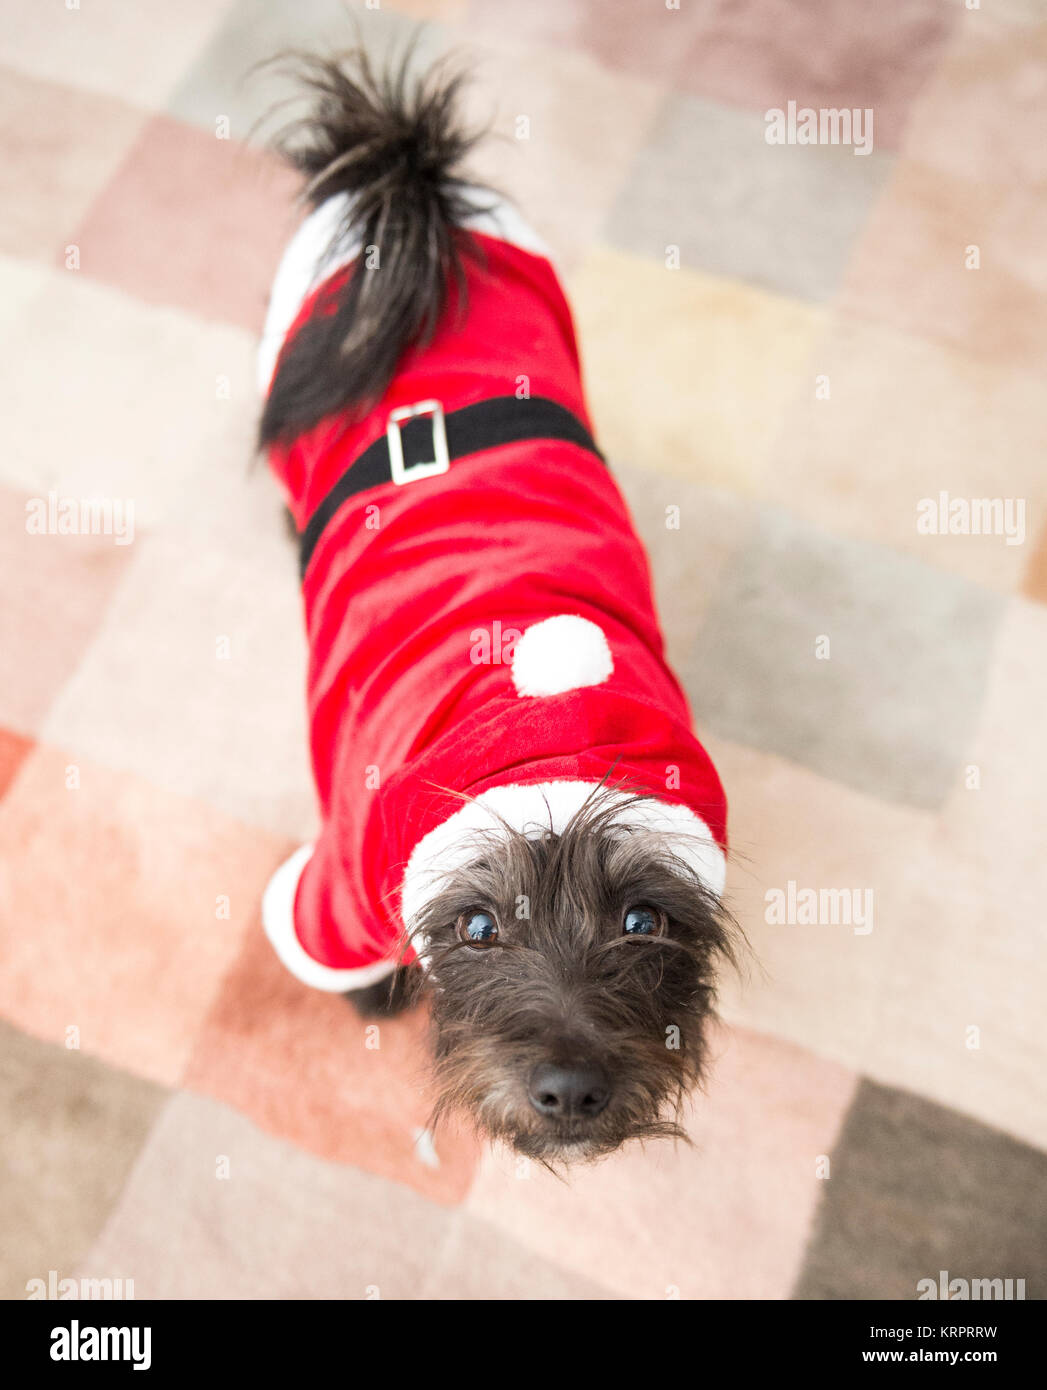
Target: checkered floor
[(793, 345)]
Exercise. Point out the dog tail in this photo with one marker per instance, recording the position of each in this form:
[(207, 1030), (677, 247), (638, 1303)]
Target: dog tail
[(393, 144)]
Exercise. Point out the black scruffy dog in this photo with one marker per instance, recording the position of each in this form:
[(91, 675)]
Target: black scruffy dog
[(533, 839)]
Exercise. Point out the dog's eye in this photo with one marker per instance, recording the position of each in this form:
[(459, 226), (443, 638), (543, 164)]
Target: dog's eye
[(643, 921), (477, 929)]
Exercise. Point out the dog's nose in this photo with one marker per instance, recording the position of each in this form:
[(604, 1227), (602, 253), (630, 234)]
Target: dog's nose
[(572, 1092)]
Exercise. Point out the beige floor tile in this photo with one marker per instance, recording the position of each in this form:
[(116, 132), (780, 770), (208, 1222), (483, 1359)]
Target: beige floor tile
[(906, 420), (689, 375)]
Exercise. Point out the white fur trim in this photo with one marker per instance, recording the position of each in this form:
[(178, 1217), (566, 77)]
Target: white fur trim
[(534, 809), (560, 654), (306, 262), (278, 920), (501, 220), (310, 259)]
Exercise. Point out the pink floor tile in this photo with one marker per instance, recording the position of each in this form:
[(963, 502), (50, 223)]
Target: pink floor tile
[(819, 985), (61, 146), (13, 752), (990, 821), (298, 1063), (226, 212), (1034, 583), (962, 1021), (214, 1209), (121, 909), (910, 270), (825, 53), (981, 114), (650, 40), (65, 584), (972, 938), (982, 118)]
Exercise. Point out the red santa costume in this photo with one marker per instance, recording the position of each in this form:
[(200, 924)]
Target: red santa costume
[(482, 626)]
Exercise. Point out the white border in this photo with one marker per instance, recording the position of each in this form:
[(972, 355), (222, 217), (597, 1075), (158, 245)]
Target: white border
[(278, 920)]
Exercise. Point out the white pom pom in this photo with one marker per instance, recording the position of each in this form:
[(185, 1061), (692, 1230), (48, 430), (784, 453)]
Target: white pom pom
[(560, 654)]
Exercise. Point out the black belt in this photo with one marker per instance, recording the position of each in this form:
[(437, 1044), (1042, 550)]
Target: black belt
[(421, 441)]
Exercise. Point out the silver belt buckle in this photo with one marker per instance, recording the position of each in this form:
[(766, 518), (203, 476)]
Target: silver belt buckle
[(440, 462)]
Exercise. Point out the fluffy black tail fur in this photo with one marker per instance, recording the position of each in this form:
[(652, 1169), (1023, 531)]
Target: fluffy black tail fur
[(393, 143)]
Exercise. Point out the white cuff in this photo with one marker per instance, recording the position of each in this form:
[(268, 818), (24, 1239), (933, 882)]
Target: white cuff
[(538, 807), (278, 920)]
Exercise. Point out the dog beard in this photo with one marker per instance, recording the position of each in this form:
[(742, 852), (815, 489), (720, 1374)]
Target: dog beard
[(567, 1031)]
